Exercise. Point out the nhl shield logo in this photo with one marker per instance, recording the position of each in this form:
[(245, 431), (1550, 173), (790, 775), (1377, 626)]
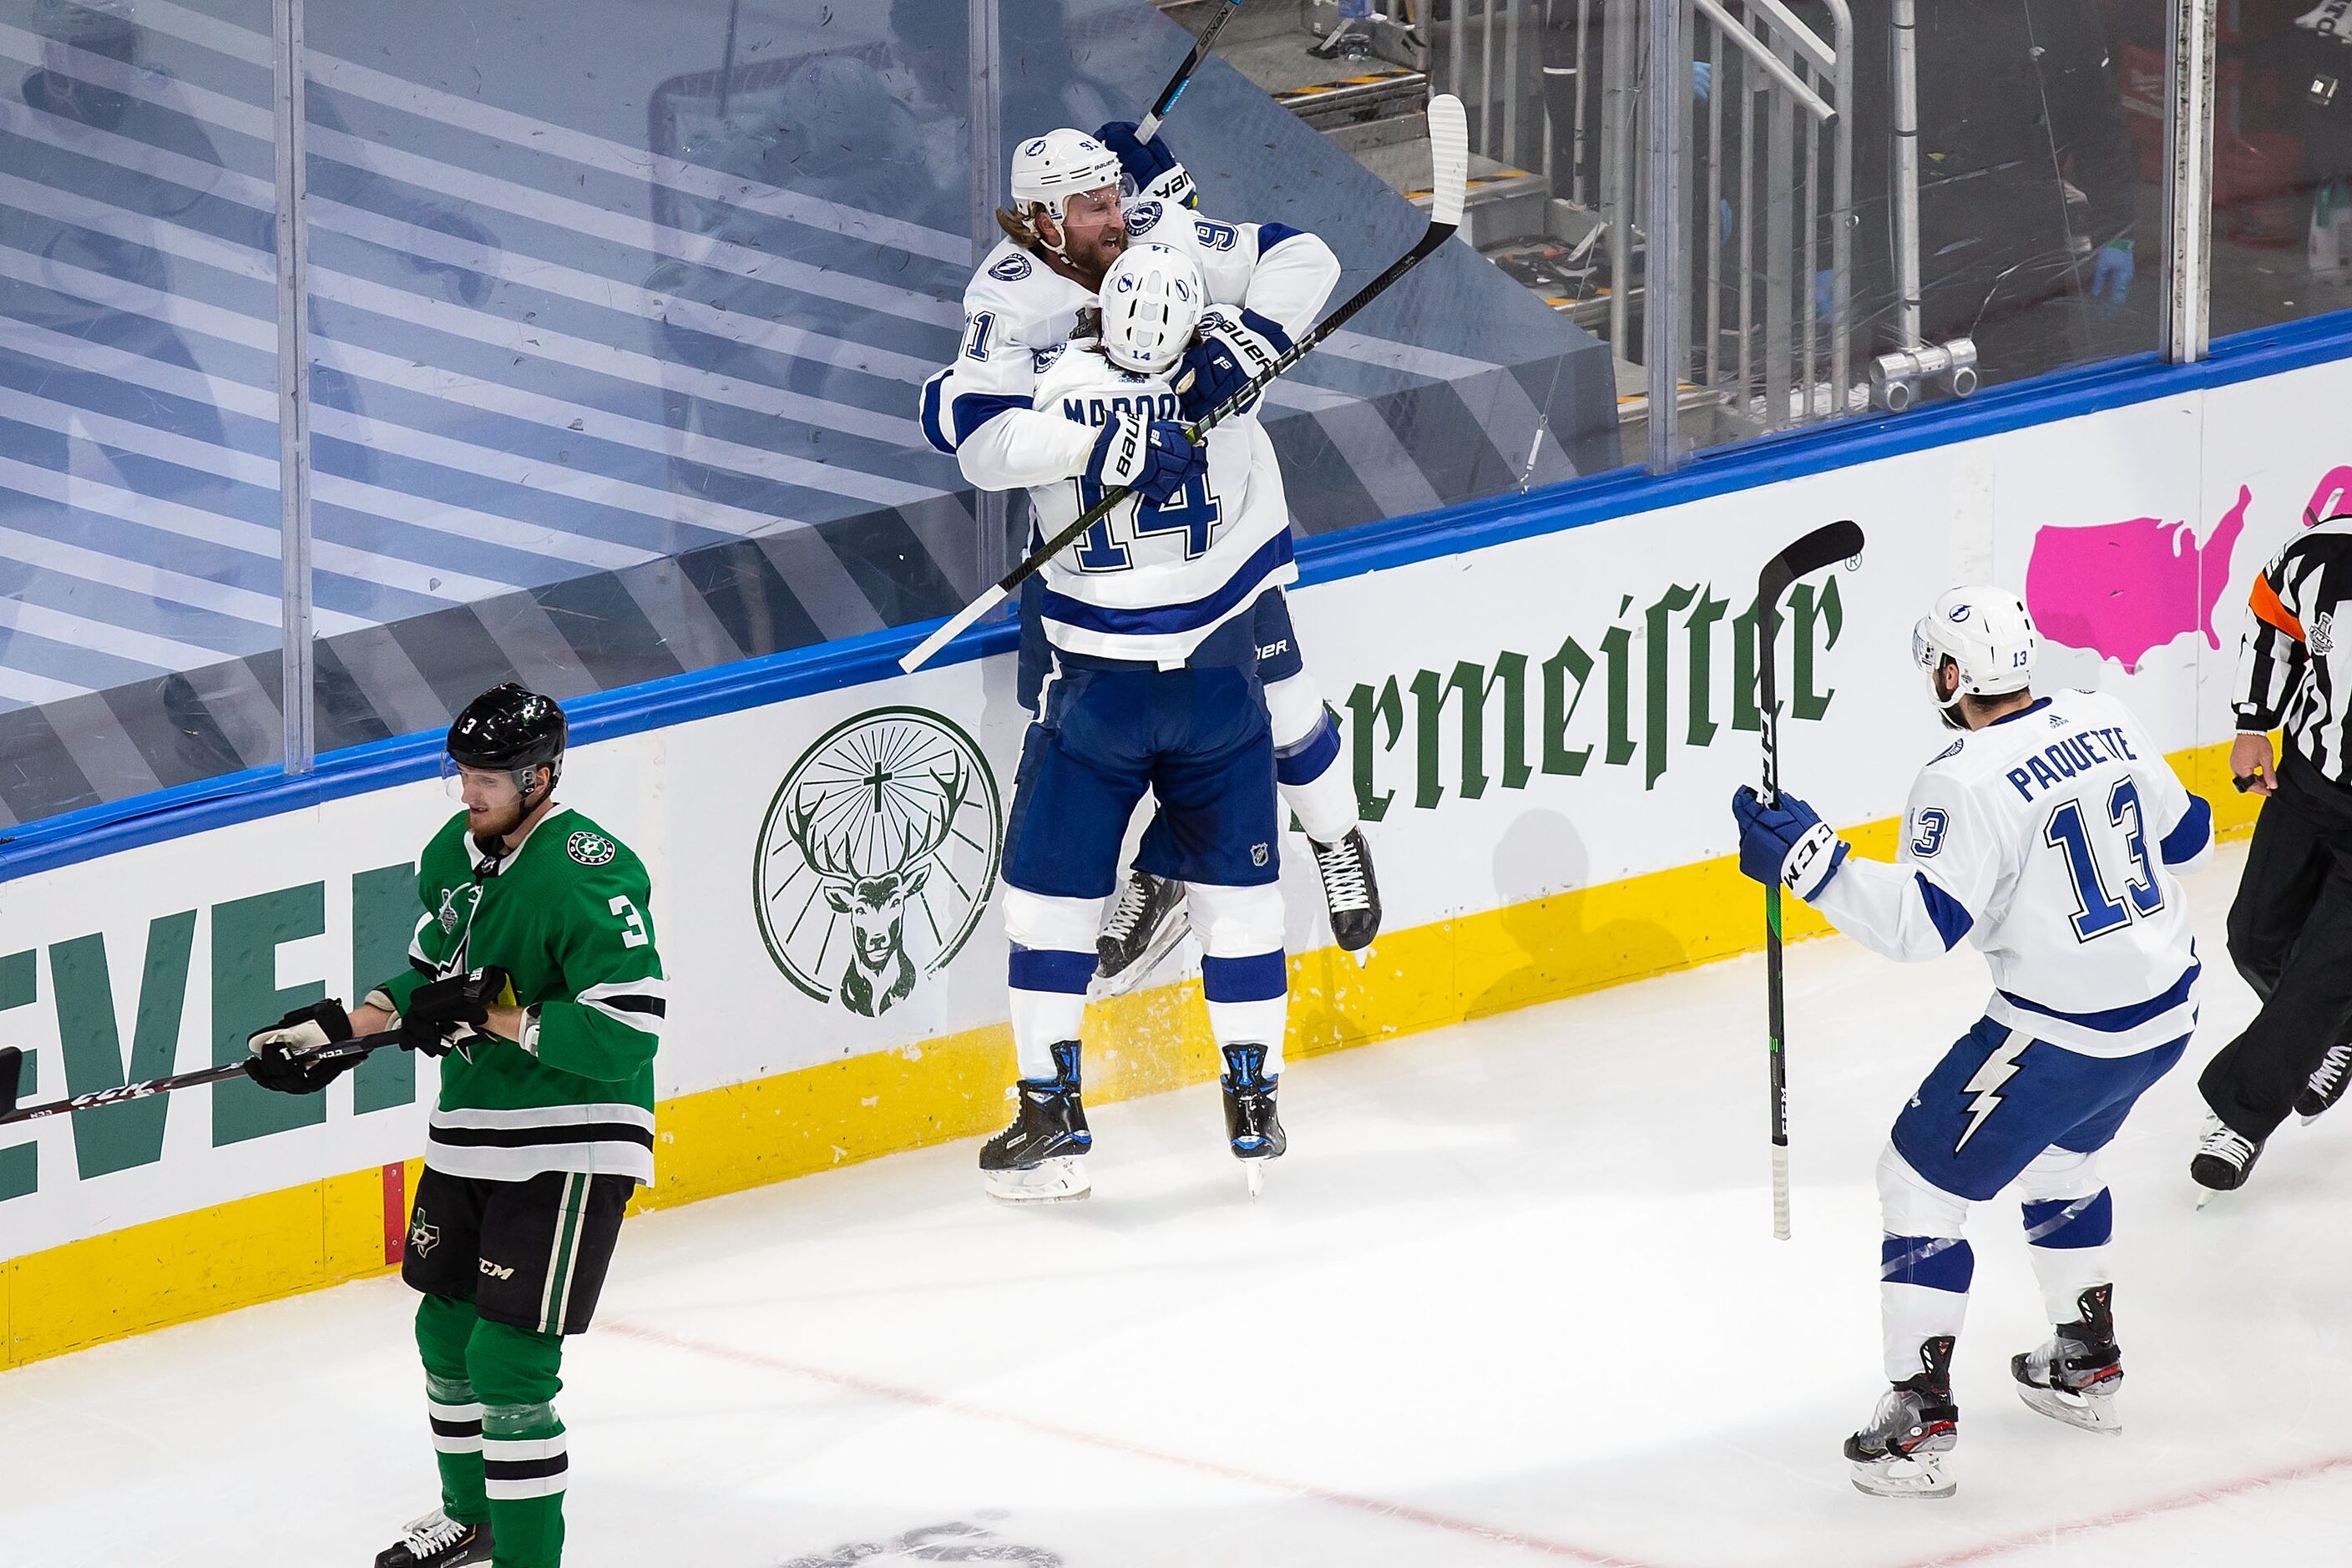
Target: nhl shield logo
[(877, 856)]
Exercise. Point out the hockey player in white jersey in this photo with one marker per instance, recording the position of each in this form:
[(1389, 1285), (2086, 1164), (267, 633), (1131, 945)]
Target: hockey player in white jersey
[(2052, 836), (1153, 685), (1067, 223)]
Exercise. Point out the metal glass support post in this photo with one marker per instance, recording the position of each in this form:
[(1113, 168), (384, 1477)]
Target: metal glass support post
[(2187, 317), (1907, 170), (1669, 88), (297, 701), (990, 509)]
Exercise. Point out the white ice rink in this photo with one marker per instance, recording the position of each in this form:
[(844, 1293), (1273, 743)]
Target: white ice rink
[(1512, 1297)]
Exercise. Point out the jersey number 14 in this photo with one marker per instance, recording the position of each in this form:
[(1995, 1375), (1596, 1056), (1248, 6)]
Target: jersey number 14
[(1192, 512)]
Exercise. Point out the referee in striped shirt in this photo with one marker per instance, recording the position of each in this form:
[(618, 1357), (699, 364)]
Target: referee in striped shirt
[(2290, 927)]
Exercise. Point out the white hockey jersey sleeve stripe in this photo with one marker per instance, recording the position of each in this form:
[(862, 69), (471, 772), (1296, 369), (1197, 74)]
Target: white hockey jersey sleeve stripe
[(949, 418)]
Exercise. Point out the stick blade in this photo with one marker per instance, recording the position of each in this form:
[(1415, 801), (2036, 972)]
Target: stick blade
[(11, 1068), (1449, 159), (1824, 546)]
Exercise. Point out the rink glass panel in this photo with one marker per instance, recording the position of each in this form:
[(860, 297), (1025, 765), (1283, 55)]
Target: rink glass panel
[(618, 328), (2282, 196), (140, 615)]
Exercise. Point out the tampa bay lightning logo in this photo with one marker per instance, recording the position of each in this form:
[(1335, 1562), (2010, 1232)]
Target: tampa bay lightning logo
[(1042, 360), (1035, 149), (1141, 217), (1012, 269), (1948, 752), (1126, 283), (1960, 614)]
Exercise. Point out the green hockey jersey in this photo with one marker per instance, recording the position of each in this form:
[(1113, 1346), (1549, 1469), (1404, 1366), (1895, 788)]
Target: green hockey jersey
[(565, 914)]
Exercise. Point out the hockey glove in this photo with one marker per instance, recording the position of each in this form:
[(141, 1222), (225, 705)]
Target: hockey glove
[(446, 1014), (1148, 166), (1155, 460), (278, 1056), (1232, 353), (1788, 842)]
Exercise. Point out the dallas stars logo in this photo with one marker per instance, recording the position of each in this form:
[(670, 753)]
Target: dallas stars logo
[(423, 1236)]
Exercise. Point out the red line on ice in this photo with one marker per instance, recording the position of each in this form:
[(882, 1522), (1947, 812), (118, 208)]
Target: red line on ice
[(918, 1397), (2219, 1492)]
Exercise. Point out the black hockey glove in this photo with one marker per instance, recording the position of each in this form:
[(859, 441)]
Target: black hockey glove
[(446, 1014), (1234, 350), (277, 1056)]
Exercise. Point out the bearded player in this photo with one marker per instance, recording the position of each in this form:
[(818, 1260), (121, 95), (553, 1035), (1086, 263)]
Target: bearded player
[(534, 979), (1068, 221)]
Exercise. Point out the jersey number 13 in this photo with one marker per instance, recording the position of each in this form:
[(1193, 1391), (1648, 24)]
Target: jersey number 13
[(2097, 911)]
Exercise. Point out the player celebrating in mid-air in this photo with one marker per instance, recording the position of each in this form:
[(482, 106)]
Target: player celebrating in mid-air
[(1068, 222), (2052, 836), (534, 978), (1154, 685)]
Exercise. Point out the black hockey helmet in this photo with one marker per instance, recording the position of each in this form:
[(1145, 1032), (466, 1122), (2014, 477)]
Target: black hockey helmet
[(511, 728)]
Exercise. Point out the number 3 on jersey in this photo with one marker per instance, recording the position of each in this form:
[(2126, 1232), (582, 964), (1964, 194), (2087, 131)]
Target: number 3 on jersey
[(1192, 512), (2096, 911)]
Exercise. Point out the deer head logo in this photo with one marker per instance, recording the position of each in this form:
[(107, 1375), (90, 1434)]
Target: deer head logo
[(877, 857), (880, 974)]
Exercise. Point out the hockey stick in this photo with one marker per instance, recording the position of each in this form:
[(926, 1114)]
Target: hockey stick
[(1836, 541), (12, 1065), (1449, 146), (1149, 127)]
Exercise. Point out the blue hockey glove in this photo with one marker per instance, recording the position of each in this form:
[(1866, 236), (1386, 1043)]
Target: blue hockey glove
[(1154, 460), (2111, 275), (1788, 842), (1232, 353), (1148, 166)]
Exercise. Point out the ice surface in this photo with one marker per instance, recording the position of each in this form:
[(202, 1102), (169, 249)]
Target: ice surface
[(1512, 1297)]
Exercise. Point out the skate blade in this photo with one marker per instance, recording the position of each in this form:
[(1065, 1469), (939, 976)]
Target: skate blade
[(2088, 1413), (1170, 937), (1057, 1180), (1363, 956), (2206, 1195), (1920, 1476), (1255, 1171)]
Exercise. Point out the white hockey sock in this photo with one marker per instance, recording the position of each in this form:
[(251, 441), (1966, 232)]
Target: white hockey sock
[(1243, 972), (1053, 960), (1308, 760), (2069, 1219), (1925, 1264)]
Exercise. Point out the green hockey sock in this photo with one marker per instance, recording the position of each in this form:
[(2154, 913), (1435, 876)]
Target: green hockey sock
[(513, 1372), (444, 1326)]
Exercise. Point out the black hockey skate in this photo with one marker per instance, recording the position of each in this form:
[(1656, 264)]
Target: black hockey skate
[(1901, 1452), (2074, 1376), (1252, 1124), (437, 1540), (1145, 925), (1039, 1158), (2224, 1159), (1349, 890), (2327, 1083)]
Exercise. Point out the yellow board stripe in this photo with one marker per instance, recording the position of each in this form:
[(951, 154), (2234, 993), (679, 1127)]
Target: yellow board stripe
[(725, 1140)]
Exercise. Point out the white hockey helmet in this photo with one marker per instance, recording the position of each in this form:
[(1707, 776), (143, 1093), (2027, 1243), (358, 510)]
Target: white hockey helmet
[(1151, 300), (1048, 168), (1989, 637)]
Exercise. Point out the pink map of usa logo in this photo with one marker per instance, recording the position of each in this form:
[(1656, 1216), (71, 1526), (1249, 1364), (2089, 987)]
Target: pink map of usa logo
[(2120, 589)]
